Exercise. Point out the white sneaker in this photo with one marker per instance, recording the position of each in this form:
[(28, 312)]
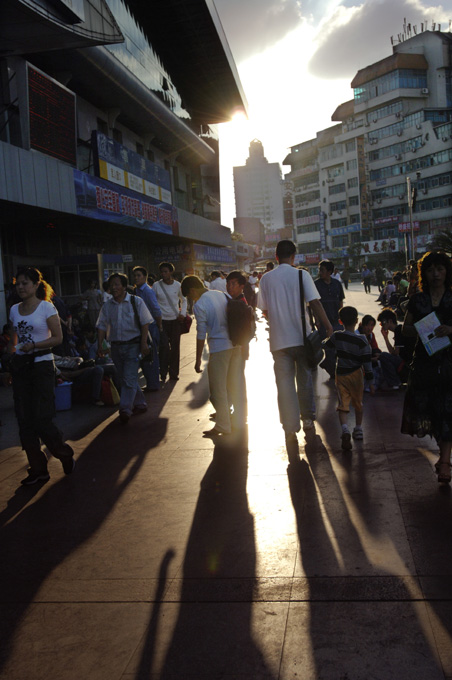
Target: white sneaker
[(357, 434)]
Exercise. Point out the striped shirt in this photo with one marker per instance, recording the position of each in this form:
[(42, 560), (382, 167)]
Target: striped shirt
[(352, 351)]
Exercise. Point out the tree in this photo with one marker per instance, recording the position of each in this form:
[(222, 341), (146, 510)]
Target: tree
[(442, 241), (236, 236)]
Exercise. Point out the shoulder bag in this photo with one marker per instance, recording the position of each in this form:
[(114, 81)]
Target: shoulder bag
[(312, 342)]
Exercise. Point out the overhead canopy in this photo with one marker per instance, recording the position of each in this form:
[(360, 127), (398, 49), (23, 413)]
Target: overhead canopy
[(189, 39)]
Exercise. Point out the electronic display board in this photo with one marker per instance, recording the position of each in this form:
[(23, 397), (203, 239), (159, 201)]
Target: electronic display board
[(51, 113)]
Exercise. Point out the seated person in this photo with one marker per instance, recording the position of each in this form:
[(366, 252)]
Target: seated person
[(395, 362), (80, 377), (386, 293)]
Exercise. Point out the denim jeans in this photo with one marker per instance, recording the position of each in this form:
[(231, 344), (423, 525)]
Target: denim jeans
[(151, 370), (126, 359), (294, 385), (389, 364)]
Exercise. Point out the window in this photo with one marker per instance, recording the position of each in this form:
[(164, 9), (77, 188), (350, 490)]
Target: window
[(353, 200), (117, 135), (352, 182), (140, 148), (352, 165), (102, 126), (350, 146)]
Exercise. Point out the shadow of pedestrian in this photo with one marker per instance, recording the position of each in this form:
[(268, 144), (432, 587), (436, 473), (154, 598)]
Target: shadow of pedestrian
[(212, 636), (38, 540)]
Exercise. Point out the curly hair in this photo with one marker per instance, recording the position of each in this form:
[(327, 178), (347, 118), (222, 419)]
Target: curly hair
[(44, 290), (427, 260)]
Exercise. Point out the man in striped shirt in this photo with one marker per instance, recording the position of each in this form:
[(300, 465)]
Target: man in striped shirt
[(353, 354)]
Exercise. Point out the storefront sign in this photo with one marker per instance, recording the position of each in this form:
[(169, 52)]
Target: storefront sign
[(173, 253), (339, 231), (102, 200), (406, 227), (213, 254), (116, 163)]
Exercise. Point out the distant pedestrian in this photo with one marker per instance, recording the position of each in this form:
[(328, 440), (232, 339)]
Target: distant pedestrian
[(150, 369), (366, 276), (217, 282), (353, 354), (94, 300), (173, 306), (332, 299), (127, 318)]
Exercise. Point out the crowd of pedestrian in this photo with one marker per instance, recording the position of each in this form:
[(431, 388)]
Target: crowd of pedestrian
[(140, 327)]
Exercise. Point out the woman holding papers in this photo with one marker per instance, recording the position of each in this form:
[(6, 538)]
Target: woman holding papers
[(428, 401)]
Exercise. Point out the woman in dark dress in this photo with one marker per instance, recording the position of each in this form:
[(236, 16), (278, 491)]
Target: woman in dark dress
[(428, 400)]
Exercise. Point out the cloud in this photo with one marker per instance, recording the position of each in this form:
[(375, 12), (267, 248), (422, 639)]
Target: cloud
[(254, 25), (353, 37)]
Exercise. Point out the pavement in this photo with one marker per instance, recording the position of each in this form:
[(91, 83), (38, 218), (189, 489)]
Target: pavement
[(166, 556)]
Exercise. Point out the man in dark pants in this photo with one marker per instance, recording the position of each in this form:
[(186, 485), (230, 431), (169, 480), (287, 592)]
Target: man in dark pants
[(332, 299), (173, 306), (147, 294)]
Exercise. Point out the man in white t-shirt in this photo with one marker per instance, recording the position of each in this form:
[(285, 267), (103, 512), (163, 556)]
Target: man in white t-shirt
[(174, 308), (279, 299)]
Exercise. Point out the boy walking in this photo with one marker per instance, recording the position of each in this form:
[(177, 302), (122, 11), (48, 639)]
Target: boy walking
[(353, 354)]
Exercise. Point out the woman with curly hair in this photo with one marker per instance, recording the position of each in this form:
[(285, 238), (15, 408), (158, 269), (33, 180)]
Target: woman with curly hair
[(35, 329), (428, 400)]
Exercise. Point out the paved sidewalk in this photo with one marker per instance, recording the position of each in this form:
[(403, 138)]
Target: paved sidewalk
[(163, 556)]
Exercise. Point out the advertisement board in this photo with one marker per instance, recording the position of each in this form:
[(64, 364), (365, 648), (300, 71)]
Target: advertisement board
[(101, 200)]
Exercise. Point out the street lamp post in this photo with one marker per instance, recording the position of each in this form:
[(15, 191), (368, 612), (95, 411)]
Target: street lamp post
[(409, 192)]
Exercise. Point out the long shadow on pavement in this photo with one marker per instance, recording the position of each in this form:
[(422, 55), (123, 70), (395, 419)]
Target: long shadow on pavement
[(69, 512), (212, 637)]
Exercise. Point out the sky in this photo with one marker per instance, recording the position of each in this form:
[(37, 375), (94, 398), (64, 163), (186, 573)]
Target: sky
[(296, 60)]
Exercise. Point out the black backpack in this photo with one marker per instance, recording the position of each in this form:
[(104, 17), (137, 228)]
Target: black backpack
[(241, 322)]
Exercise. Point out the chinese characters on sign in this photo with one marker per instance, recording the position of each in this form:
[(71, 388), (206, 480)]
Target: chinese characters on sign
[(382, 246)]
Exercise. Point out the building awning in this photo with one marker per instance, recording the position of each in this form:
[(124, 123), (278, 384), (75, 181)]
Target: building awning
[(189, 38), (343, 111), (395, 61), (26, 26)]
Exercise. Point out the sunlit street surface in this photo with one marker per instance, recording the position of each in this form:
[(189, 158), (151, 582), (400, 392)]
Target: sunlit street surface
[(167, 555)]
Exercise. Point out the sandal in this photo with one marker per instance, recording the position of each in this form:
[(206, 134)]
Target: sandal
[(443, 469)]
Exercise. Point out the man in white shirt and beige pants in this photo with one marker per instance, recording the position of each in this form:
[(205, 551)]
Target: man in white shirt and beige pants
[(279, 299)]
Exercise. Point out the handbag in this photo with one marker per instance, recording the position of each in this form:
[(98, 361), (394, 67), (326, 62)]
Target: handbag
[(149, 358), (312, 343), (187, 321), (109, 393)]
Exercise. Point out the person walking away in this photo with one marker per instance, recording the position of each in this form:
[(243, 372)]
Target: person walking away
[(174, 308), (34, 329), (366, 276), (151, 370), (353, 354), (225, 367), (127, 318), (427, 408), (279, 300), (332, 299)]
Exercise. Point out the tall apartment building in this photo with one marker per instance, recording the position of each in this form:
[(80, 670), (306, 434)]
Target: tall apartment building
[(259, 190), (397, 128), (108, 139)]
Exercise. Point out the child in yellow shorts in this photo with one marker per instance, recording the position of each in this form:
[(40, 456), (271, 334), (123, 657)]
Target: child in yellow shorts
[(353, 355)]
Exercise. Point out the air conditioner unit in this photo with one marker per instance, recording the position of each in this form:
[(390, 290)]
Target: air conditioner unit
[(400, 133), (445, 139), (414, 150), (401, 198), (366, 124), (398, 114), (424, 90), (374, 120), (398, 157), (379, 201), (418, 126), (425, 191)]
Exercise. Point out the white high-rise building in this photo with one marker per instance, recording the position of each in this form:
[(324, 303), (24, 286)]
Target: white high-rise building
[(259, 190), (354, 182)]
